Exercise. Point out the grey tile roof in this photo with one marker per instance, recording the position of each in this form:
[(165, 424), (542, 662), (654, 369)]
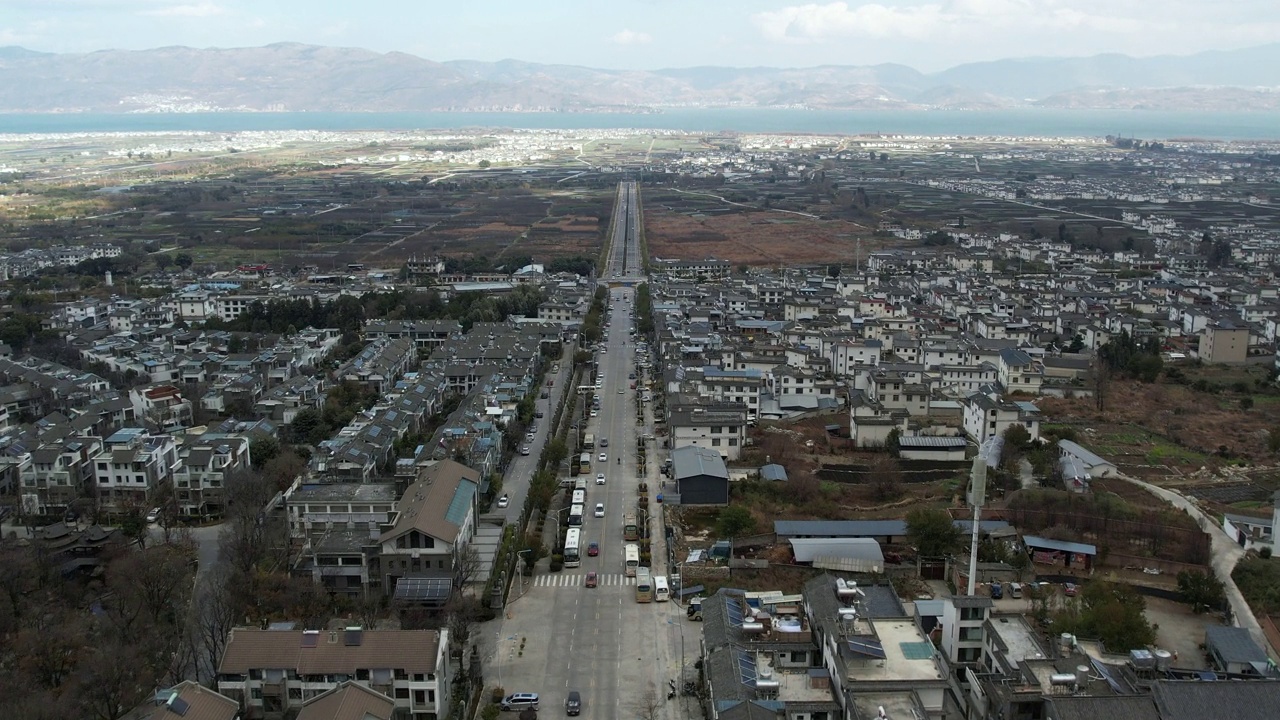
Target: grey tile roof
[(1234, 645), (1198, 700)]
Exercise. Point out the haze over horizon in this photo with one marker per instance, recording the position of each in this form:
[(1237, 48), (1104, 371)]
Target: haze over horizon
[(657, 34)]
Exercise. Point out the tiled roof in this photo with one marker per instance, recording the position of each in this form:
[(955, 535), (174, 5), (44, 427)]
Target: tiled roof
[(409, 650)]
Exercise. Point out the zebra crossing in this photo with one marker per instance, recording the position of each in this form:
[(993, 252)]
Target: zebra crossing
[(580, 579)]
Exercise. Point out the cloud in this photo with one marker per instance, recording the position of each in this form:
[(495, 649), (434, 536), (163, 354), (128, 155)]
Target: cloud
[(813, 22), (630, 37), (204, 9)]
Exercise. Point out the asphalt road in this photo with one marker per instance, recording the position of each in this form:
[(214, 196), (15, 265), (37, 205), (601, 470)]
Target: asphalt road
[(557, 635), (515, 481)]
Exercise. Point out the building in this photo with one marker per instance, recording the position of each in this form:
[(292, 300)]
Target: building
[(131, 466), (274, 672), (1224, 342), (349, 701), (700, 475), (719, 428), (189, 700), (430, 536), (1094, 465), (1232, 650)]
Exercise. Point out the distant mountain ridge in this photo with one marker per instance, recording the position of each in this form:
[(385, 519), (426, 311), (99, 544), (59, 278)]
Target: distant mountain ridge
[(297, 77)]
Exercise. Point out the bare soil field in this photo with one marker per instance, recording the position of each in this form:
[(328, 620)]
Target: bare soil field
[(1166, 428), (756, 238)]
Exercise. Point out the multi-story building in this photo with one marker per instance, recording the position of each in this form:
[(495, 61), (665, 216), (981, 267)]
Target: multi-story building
[(131, 466), (205, 462), (720, 427), (430, 535), (58, 473), (271, 673)]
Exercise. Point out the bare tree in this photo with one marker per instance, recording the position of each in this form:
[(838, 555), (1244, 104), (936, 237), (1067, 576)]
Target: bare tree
[(468, 564), (214, 614), (886, 478), (369, 607), (649, 707), (113, 680)]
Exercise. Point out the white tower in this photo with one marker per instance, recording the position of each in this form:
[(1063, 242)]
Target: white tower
[(977, 496)]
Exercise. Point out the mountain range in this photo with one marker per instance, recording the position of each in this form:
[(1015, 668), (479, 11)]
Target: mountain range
[(296, 77)]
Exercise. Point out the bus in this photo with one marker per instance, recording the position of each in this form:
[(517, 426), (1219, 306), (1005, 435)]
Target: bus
[(581, 484), (589, 441), (631, 559), (575, 515), (661, 591), (630, 528), (644, 586), (584, 463), (572, 549), (579, 497)]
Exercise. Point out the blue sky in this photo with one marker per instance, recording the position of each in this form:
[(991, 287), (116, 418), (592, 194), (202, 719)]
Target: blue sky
[(648, 34)]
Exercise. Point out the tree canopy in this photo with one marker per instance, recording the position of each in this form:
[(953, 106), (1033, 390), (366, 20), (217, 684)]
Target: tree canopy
[(932, 532)]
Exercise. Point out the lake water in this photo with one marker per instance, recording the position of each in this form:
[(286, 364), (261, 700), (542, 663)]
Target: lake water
[(1152, 125)]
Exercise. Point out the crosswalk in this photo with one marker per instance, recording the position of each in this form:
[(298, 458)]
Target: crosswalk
[(580, 579)]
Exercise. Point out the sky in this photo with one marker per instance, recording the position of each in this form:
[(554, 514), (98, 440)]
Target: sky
[(928, 35)]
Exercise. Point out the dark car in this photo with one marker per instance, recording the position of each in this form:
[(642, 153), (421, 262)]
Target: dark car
[(593, 549), (573, 703), (592, 579)]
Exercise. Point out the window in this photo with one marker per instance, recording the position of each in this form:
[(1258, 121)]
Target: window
[(402, 693), (733, 442), (967, 655), (973, 634), (715, 442), (295, 693), (419, 697), (972, 613), (255, 693), (715, 430)]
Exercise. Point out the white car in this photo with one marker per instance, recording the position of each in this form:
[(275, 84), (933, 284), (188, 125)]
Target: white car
[(504, 501), (603, 457), (595, 413), (154, 515), (599, 510), (599, 478), (621, 390)]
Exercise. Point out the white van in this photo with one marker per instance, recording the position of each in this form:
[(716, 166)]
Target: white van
[(1015, 590), (661, 590)]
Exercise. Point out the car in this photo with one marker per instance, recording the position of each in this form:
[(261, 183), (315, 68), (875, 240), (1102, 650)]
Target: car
[(599, 510), (524, 450), (593, 549), (1070, 589), (592, 579), (545, 395), (504, 501), (520, 701), (604, 350), (621, 390), (604, 457), (154, 515), (631, 376), (573, 703), (604, 442), (595, 412), (599, 478), (529, 436), (538, 414)]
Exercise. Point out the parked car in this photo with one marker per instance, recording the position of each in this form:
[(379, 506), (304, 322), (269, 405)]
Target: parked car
[(504, 501), (1070, 589), (520, 701), (524, 450), (593, 549), (154, 515), (604, 442), (592, 579)]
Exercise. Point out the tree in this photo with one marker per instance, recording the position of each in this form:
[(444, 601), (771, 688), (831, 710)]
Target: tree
[(932, 532), (182, 260), (162, 261), (1203, 591), (891, 443), (886, 478), (467, 566), (735, 521), (1113, 613), (1016, 438), (214, 613), (262, 449)]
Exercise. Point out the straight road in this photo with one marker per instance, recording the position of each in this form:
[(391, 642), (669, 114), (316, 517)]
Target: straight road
[(557, 634)]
